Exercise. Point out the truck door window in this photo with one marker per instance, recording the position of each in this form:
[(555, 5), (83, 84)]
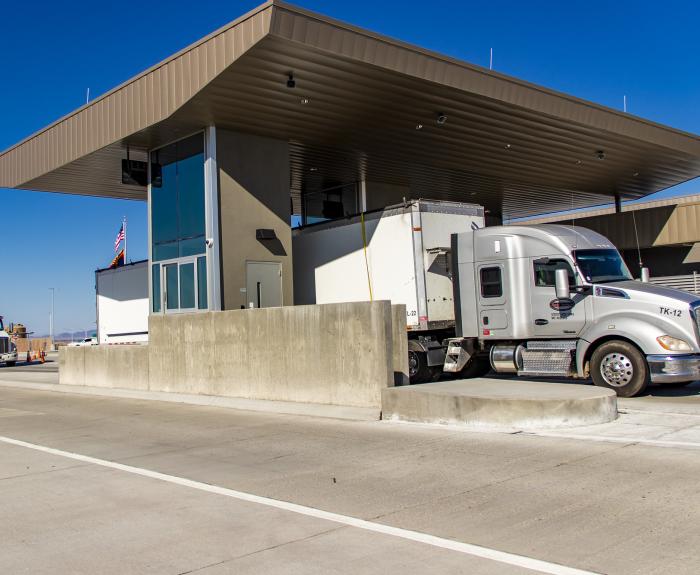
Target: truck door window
[(491, 282), (545, 272)]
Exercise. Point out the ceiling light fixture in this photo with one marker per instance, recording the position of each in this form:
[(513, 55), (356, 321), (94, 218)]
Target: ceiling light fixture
[(600, 154), (419, 126), (304, 101), (441, 119), (291, 82), (507, 146)]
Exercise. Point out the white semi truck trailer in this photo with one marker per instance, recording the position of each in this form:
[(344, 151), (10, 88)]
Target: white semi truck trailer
[(8, 350), (401, 254), (544, 300)]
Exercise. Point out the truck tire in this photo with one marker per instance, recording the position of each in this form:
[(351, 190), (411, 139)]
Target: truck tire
[(418, 369), (10, 363), (476, 367), (620, 366)]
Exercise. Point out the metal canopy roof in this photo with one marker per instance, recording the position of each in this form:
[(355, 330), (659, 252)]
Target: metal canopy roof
[(515, 147)]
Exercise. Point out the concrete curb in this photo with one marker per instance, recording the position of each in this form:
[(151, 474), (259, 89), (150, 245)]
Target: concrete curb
[(269, 406), (491, 404)]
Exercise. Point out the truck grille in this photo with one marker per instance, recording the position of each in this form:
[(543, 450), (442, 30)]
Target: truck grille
[(4, 345)]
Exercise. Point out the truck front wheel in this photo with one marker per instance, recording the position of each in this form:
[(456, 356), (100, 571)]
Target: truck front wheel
[(621, 367)]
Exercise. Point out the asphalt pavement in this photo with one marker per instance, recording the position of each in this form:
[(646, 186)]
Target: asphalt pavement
[(111, 485)]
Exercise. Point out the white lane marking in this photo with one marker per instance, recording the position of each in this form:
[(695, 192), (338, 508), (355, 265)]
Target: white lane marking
[(616, 439), (466, 548)]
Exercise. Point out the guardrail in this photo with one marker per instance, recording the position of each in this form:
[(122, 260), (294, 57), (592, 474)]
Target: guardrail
[(688, 282)]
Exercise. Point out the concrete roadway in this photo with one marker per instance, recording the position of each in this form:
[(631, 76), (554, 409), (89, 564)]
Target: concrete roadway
[(106, 485)]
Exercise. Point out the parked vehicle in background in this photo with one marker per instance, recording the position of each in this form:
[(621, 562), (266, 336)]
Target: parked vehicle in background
[(84, 342), (8, 350)]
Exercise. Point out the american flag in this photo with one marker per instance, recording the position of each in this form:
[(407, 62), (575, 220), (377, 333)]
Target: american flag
[(120, 237)]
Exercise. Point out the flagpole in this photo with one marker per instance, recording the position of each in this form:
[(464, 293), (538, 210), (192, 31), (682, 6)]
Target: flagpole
[(124, 224)]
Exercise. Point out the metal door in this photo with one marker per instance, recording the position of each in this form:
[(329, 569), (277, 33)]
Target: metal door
[(264, 284), (547, 319)]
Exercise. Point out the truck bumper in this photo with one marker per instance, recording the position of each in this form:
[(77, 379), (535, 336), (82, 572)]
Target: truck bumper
[(8, 356), (674, 368)]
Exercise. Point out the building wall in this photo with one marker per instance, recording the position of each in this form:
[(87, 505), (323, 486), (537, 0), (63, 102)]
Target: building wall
[(254, 177)]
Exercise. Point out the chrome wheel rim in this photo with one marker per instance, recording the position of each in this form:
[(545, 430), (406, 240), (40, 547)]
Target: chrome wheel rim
[(616, 369), (412, 364)]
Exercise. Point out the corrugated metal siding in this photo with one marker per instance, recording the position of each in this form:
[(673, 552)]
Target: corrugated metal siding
[(681, 227), (134, 106)]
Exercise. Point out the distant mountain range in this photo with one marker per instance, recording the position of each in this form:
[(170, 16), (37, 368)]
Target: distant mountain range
[(67, 335)]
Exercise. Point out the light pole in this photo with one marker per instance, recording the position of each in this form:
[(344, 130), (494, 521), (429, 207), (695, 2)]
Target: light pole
[(52, 290)]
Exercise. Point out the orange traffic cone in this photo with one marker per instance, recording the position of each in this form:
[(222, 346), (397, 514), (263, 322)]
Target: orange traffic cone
[(29, 356)]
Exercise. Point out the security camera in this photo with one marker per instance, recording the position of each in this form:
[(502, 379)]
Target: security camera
[(600, 154), (291, 82), (441, 119), (209, 242)]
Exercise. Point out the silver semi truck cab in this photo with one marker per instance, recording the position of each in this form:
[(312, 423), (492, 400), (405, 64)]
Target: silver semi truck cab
[(8, 350), (551, 300)]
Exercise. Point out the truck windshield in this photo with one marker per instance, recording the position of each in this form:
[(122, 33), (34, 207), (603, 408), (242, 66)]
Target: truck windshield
[(602, 266)]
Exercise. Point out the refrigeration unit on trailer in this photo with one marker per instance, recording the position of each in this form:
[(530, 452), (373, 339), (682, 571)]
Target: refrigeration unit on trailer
[(400, 253)]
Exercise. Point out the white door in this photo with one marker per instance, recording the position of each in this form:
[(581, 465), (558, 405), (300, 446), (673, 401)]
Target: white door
[(264, 284)]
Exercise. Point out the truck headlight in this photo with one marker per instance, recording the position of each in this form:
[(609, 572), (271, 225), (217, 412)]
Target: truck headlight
[(673, 343)]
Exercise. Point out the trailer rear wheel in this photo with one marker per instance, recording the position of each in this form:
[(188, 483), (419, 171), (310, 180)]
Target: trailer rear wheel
[(418, 369), (620, 366)]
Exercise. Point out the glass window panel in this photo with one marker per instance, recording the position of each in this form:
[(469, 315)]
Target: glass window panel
[(165, 251), (177, 199), (164, 207), (202, 283), (192, 246), (190, 189), (545, 272), (491, 285), (171, 298), (186, 286), (155, 283)]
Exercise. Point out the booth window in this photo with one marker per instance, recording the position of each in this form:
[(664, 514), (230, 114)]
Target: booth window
[(177, 199), (491, 282)]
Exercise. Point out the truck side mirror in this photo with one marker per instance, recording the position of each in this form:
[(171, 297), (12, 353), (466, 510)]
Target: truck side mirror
[(561, 284), (645, 275)]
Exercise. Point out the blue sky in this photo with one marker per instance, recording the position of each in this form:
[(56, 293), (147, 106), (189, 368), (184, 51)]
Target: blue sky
[(51, 52)]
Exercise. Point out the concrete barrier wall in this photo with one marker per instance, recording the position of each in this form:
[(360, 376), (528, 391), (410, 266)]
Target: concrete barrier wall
[(118, 366), (336, 354)]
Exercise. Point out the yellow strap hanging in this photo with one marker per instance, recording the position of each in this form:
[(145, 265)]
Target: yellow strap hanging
[(364, 247)]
